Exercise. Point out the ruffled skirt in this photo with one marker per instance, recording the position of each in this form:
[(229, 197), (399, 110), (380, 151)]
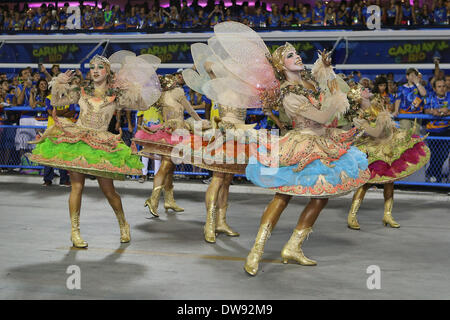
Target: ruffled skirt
[(212, 150), (396, 158), (77, 149), (310, 165)]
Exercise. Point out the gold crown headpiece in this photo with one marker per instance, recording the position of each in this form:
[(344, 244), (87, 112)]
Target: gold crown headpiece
[(101, 59), (278, 56)]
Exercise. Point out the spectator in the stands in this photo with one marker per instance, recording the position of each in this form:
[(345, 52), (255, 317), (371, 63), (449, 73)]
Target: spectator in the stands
[(407, 14), (425, 17), (286, 16), (258, 18), (153, 20), (54, 71), (274, 17), (440, 12), (87, 19), (216, 16), (437, 104), (108, 17), (187, 15), (37, 100), (318, 13), (24, 87), (305, 17), (174, 17), (410, 99), (29, 21), (35, 77), (357, 17), (118, 19), (63, 15), (142, 17), (343, 14), (330, 17)]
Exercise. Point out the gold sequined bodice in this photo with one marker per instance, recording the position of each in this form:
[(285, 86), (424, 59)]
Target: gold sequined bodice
[(95, 113)]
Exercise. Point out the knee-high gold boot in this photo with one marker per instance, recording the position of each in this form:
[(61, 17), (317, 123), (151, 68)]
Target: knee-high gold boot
[(387, 218), (169, 201), (293, 248), (153, 201), (221, 223), (358, 197), (252, 262), (209, 229), (124, 227), (75, 237)]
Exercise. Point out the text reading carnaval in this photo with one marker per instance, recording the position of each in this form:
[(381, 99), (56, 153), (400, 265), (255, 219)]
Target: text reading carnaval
[(226, 309)]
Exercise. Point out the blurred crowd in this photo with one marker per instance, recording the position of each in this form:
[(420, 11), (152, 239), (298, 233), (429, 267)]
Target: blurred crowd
[(181, 14)]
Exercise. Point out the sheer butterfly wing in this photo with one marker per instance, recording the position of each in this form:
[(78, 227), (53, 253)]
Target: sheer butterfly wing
[(140, 70)]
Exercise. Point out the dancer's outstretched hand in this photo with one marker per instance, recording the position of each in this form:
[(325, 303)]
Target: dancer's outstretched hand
[(326, 57), (66, 76)]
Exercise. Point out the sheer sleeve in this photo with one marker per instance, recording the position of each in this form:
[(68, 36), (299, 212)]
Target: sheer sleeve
[(131, 98), (64, 93)]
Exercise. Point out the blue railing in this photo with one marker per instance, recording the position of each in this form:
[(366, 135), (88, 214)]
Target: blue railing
[(419, 178)]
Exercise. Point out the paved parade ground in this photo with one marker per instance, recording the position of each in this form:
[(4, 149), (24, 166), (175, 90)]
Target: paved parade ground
[(167, 257)]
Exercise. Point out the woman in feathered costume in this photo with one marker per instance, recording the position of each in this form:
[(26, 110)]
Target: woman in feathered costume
[(160, 139), (86, 147), (224, 149), (393, 153), (313, 160)]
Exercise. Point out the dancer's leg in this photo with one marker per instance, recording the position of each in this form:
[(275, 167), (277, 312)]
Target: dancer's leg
[(211, 200), (77, 183), (269, 219), (292, 249), (169, 200), (388, 204), (358, 197), (107, 187), (159, 181), (222, 205)]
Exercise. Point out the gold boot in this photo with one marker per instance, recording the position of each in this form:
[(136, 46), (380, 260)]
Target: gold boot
[(209, 229), (387, 218), (352, 222), (358, 197), (293, 248), (76, 238), (221, 224), (169, 201), (124, 227), (153, 201), (255, 254)]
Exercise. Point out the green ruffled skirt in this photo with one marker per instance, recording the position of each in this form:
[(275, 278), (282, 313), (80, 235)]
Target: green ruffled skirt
[(80, 157)]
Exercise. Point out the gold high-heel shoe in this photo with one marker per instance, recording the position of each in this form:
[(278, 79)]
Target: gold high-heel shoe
[(387, 218), (153, 201), (221, 224), (75, 237), (293, 248), (169, 201), (209, 229), (252, 262), (125, 236)]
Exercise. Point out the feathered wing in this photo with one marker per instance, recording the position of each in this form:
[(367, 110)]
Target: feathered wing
[(239, 63), (138, 75)]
